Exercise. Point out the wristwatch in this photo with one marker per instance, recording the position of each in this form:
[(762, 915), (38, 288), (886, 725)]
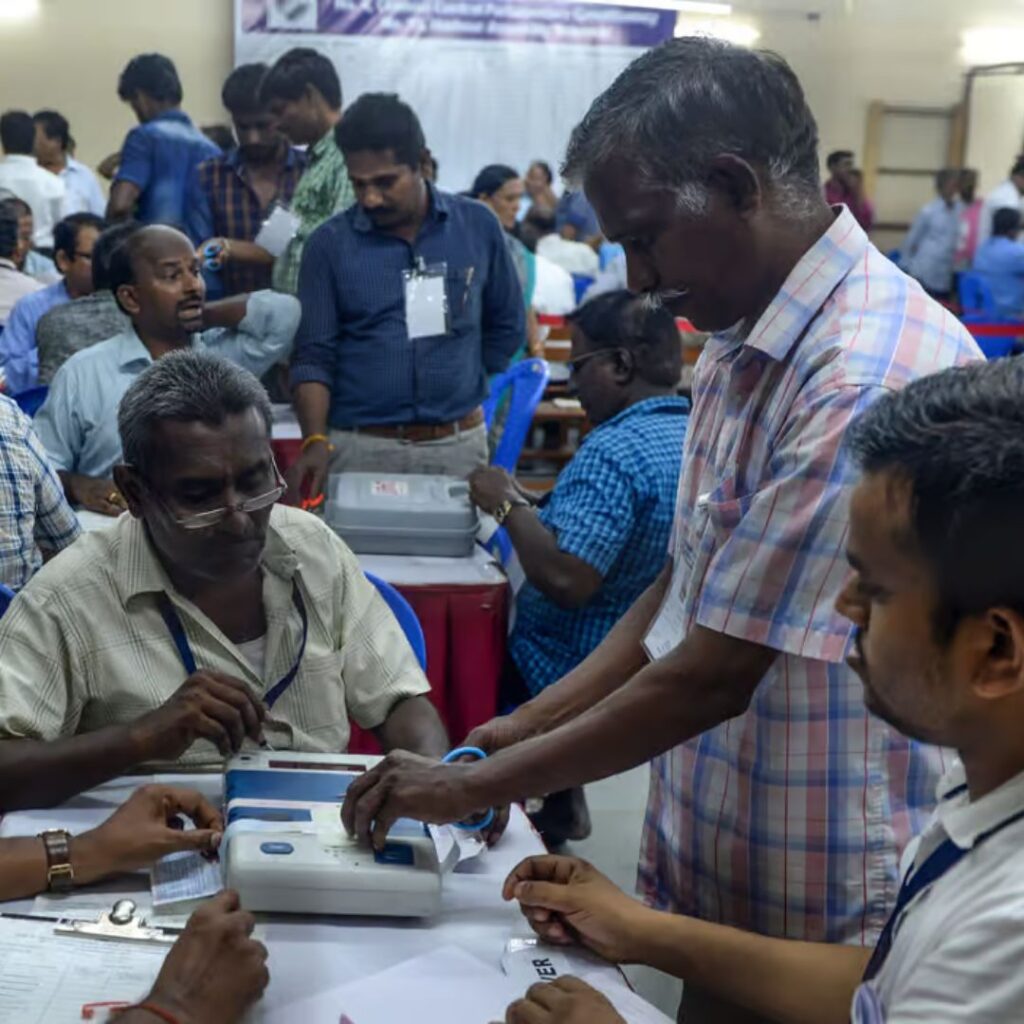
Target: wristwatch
[(501, 512), (60, 875)]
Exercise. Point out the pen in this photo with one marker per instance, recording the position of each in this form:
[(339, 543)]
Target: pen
[(469, 282)]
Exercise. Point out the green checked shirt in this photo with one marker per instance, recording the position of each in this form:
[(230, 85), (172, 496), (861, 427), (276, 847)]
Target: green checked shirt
[(323, 191)]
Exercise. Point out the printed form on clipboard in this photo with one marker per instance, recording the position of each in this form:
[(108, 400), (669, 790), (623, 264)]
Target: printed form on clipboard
[(47, 978)]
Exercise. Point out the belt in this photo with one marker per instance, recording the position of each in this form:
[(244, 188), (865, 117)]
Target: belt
[(419, 432)]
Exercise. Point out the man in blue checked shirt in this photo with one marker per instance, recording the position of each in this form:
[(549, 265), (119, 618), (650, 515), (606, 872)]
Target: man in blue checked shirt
[(601, 537), (35, 517), (410, 301)]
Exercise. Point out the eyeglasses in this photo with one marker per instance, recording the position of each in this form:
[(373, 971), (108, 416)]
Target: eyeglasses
[(87, 256), (202, 520), (575, 364)]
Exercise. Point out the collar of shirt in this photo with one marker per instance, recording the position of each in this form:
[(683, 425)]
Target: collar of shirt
[(964, 819), (9, 265), (139, 570), (21, 158), (321, 147), (438, 210), (660, 403), (816, 275), (233, 159), (172, 115), (131, 350)]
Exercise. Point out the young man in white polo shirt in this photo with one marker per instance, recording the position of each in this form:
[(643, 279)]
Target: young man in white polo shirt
[(937, 595)]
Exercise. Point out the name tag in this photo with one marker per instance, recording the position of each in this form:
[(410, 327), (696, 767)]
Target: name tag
[(426, 302)]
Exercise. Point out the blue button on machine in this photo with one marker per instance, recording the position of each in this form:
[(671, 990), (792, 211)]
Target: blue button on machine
[(396, 853), (276, 848)]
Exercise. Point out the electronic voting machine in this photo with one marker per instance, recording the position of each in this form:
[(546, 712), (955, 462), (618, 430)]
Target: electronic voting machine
[(285, 850)]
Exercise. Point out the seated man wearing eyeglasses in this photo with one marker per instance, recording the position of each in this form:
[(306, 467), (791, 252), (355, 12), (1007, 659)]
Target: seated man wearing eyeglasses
[(157, 281), (600, 538), (209, 619), (73, 241)]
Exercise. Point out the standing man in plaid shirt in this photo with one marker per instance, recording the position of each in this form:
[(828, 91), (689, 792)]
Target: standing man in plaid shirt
[(778, 803), (232, 195)]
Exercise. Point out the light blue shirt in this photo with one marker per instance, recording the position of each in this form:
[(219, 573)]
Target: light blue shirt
[(1000, 261), (78, 422), (40, 267), (19, 357), (930, 247), (82, 192)]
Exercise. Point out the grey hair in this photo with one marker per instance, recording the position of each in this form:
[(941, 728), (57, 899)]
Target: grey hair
[(676, 108), (186, 386)]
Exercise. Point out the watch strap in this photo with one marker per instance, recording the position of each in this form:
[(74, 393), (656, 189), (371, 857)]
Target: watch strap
[(60, 876), (501, 513)]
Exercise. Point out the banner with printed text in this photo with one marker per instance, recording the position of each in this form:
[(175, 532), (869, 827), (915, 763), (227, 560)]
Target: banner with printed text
[(493, 81)]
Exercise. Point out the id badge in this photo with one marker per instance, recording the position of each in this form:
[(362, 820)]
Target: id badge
[(426, 301), (277, 231)]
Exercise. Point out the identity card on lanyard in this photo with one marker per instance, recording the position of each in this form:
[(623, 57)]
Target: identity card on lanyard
[(426, 302)]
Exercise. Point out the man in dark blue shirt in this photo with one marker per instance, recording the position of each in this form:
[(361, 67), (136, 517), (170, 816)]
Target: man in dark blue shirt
[(410, 301), (159, 156)]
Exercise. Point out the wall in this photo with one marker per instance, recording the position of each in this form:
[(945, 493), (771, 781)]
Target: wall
[(70, 55), (903, 51)]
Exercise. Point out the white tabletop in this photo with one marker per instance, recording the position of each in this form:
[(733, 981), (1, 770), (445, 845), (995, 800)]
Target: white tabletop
[(311, 955)]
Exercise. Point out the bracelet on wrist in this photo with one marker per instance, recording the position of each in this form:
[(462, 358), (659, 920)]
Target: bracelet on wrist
[(317, 439), (151, 1008)]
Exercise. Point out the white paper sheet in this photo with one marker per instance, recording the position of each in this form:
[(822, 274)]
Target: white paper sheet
[(447, 986), (47, 979)]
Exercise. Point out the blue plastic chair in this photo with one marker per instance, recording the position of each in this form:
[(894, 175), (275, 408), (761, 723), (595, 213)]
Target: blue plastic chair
[(527, 379), (6, 597), (31, 400), (403, 611), (977, 303), (581, 282)]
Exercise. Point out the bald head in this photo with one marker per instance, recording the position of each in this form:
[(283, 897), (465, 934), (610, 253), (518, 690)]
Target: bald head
[(156, 277)]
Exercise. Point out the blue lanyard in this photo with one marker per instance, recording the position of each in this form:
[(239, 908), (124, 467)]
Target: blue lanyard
[(947, 856), (177, 631)]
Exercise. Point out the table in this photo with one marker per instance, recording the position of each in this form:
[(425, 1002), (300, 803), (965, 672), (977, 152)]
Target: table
[(463, 607), (309, 955)]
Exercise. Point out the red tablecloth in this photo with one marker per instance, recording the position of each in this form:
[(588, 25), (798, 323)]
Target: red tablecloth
[(465, 627)]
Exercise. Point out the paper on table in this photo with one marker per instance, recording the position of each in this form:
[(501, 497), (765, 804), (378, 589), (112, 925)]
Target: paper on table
[(184, 877), (630, 1006), (47, 979), (447, 986)]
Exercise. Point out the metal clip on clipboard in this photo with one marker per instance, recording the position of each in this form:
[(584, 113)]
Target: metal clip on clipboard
[(119, 924)]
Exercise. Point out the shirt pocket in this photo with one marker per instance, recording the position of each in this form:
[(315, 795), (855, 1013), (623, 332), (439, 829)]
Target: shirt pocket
[(714, 520), (315, 703), (463, 286)]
